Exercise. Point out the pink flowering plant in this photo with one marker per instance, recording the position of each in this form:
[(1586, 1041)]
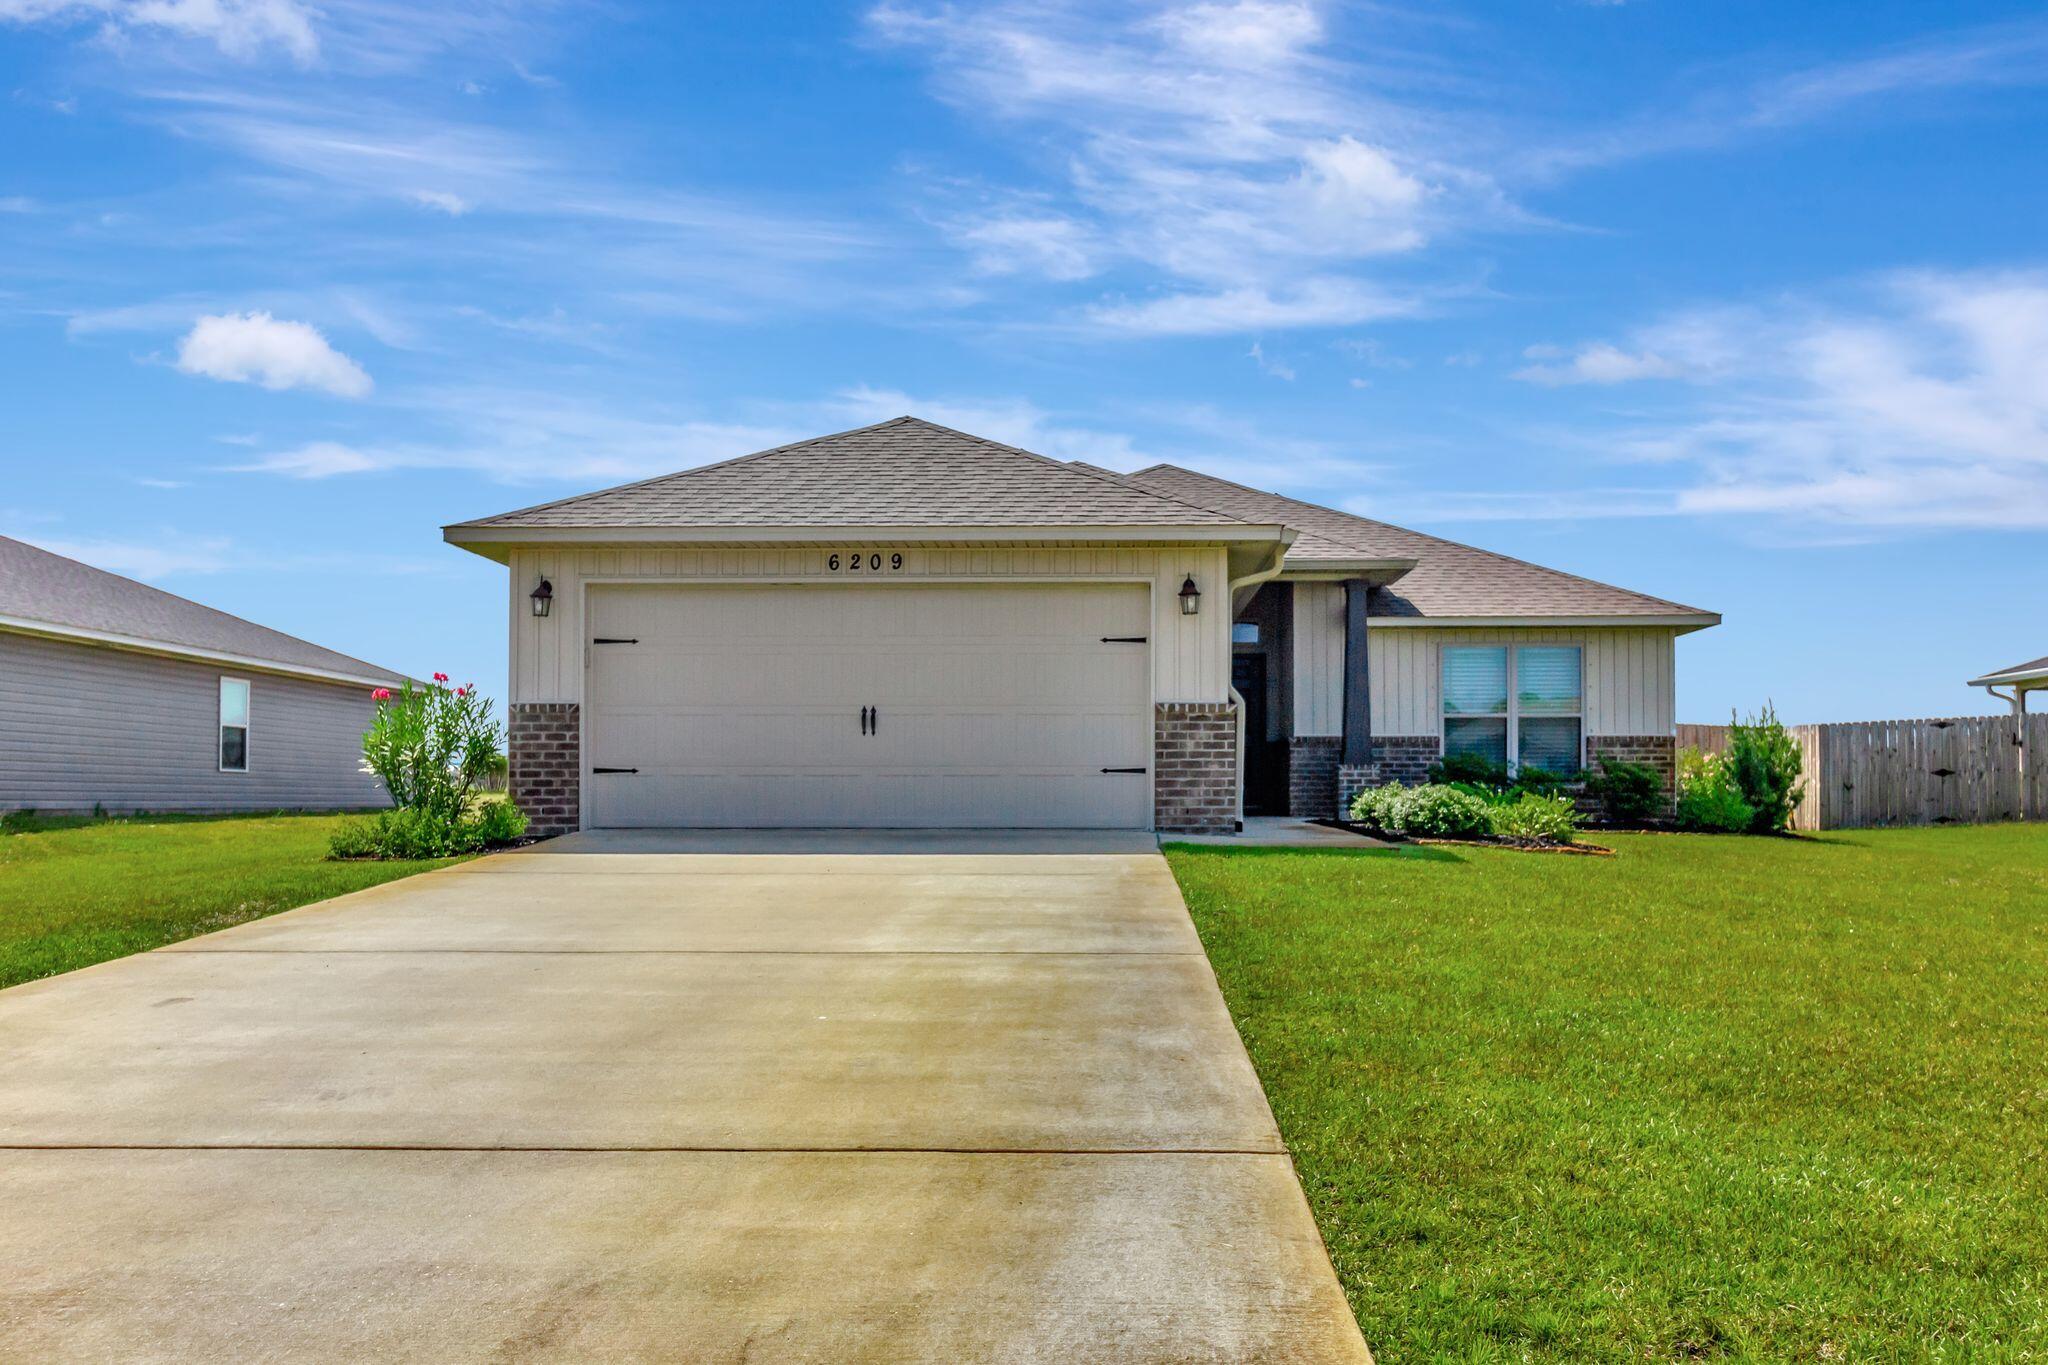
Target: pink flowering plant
[(433, 746)]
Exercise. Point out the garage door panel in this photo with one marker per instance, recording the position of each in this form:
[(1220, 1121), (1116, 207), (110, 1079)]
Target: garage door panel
[(997, 705)]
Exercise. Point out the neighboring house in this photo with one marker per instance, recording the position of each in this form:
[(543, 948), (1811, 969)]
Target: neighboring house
[(2017, 681), (123, 696), (905, 625)]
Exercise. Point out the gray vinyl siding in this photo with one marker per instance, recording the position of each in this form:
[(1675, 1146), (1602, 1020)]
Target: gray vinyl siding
[(83, 724)]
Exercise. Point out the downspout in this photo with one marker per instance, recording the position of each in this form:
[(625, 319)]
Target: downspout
[(1248, 586)]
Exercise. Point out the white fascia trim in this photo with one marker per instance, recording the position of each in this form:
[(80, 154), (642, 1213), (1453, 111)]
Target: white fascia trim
[(1679, 623), (2027, 680), (1337, 570), (485, 536), (136, 645)]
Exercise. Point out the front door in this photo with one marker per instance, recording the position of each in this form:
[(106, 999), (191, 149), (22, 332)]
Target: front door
[(1265, 760)]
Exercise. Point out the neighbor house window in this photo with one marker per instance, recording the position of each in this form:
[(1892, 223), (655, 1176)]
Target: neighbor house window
[(234, 725), (1518, 707)]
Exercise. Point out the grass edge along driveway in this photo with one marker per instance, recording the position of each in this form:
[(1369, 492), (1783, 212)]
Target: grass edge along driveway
[(1714, 1098), (78, 891)]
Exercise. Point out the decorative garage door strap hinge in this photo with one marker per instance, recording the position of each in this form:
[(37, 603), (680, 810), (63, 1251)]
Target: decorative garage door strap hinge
[(614, 640), (1123, 639), (1123, 770), (615, 770)]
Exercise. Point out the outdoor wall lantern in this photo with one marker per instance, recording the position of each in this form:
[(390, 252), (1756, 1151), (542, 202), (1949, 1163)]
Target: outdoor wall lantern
[(543, 598), (1190, 597)]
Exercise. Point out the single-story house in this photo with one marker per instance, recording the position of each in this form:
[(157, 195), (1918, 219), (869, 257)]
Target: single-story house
[(123, 696), (905, 625)]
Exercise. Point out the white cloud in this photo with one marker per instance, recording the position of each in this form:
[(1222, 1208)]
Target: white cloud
[(242, 29), (1222, 148), (1279, 369), (257, 348), (454, 205), (1596, 363), (1917, 401), (318, 460), (1312, 303)]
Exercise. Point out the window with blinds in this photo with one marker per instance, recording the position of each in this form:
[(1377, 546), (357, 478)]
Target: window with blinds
[(1521, 708)]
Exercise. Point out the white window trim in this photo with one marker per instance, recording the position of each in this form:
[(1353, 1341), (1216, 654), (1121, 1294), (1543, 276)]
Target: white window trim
[(1513, 714), (220, 726)]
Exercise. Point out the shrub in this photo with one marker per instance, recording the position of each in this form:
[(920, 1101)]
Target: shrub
[(1708, 799), (1765, 763), (1629, 793), (1536, 819), (1714, 808), (432, 746), (1379, 808), (1432, 811), (1472, 769), (408, 833), (1443, 812)]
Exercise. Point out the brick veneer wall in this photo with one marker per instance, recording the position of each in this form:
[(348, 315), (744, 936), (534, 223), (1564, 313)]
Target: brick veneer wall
[(1654, 751), (1312, 775), (1405, 758), (547, 764), (1353, 778), (1194, 768)]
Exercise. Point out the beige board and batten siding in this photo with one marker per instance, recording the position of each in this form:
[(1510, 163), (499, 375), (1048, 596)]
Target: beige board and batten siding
[(1627, 671), (1190, 654)]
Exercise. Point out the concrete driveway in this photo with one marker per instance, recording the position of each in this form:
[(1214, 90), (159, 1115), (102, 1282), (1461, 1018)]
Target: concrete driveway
[(698, 1098)]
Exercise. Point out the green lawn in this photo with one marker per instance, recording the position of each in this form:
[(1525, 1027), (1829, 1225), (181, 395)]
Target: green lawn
[(1711, 1098), (76, 892)]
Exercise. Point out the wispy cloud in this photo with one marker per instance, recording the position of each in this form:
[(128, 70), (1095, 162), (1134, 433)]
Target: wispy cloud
[(1889, 81), (242, 29), (1919, 400), (1595, 363), (255, 348), (1279, 369), (1222, 147)]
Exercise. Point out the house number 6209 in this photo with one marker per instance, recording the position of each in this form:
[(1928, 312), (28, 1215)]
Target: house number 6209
[(856, 562)]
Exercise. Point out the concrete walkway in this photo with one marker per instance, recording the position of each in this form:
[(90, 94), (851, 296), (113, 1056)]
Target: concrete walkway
[(935, 1100)]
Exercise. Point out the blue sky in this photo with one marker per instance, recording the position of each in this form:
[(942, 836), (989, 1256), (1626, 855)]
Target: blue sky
[(1745, 304)]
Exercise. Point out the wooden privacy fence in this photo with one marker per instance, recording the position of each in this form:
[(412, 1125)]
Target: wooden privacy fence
[(1871, 774)]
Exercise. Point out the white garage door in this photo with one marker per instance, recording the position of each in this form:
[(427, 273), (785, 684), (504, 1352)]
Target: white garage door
[(924, 705)]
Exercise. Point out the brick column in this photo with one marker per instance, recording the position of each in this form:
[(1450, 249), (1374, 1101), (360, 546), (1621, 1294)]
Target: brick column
[(546, 748), (1194, 768), (1312, 775)]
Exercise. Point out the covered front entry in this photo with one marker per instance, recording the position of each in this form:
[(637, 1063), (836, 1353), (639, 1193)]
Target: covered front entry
[(842, 705)]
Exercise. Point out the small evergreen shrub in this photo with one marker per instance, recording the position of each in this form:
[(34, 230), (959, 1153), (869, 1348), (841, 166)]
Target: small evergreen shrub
[(1532, 818), (1765, 763), (1474, 769), (1629, 793), (1379, 808)]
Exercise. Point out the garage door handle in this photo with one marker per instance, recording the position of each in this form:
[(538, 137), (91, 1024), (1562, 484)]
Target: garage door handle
[(1123, 639), (1123, 770), (614, 640), (874, 720), (615, 770), (863, 720)]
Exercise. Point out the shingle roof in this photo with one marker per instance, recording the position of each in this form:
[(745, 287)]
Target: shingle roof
[(903, 472), (1449, 579), (2033, 669), (39, 587)]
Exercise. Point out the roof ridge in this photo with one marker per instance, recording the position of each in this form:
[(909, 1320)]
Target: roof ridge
[(1072, 467), (153, 590), (652, 479), (1441, 540)]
